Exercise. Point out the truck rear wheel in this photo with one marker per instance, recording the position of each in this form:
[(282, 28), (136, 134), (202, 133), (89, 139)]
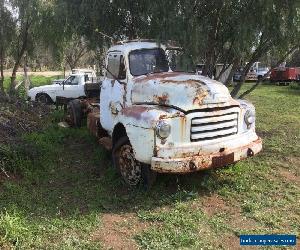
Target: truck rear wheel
[(132, 171), (74, 114)]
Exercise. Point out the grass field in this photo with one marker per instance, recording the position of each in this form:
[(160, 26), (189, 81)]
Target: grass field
[(35, 80), (71, 198)]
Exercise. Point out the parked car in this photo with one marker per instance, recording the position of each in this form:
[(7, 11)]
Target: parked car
[(257, 71), (251, 76), (155, 120), (261, 70), (72, 87)]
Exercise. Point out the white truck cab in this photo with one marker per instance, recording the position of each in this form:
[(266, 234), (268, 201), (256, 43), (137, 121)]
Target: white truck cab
[(72, 87), (158, 120), (89, 72)]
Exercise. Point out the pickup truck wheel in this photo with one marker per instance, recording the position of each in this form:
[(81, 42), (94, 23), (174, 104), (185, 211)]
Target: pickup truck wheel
[(43, 98), (74, 114), (259, 78), (133, 172)]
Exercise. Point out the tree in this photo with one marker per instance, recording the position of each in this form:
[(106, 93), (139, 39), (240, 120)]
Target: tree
[(275, 26), (27, 16), (74, 51), (7, 32)]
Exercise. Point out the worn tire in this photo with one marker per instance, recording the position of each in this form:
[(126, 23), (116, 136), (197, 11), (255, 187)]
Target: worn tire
[(74, 114), (43, 98), (259, 78), (133, 172)]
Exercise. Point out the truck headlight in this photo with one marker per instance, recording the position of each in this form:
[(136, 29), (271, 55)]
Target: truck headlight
[(163, 129), (249, 117)]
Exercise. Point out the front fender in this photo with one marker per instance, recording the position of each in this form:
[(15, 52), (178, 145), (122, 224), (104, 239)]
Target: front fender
[(140, 123)]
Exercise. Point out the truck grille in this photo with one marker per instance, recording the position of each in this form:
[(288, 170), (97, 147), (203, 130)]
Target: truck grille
[(214, 126)]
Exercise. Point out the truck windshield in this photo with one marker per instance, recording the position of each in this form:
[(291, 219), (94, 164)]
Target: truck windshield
[(147, 61)]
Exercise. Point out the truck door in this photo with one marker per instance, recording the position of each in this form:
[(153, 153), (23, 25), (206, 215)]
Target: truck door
[(112, 96), (73, 87)]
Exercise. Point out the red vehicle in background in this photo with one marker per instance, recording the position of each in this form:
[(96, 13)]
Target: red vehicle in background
[(285, 74)]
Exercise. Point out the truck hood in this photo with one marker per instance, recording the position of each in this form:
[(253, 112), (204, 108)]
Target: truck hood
[(44, 88), (182, 90)]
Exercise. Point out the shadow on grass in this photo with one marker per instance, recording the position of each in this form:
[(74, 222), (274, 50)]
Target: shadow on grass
[(77, 178)]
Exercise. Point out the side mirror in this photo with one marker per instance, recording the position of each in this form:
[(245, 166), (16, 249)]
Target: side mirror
[(63, 84)]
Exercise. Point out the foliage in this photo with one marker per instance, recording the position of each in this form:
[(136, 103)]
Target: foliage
[(7, 32), (231, 32)]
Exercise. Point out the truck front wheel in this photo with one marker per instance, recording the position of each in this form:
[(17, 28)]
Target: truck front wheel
[(133, 172)]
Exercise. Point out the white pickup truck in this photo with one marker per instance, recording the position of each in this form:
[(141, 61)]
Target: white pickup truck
[(156, 120), (72, 87)]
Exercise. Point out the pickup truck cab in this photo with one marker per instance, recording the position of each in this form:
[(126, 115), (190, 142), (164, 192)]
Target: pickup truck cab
[(156, 120), (72, 87), (89, 72)]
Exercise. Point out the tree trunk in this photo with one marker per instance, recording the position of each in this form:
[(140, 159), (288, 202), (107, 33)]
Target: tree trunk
[(235, 65), (26, 79), (245, 71), (24, 39), (2, 70), (13, 83)]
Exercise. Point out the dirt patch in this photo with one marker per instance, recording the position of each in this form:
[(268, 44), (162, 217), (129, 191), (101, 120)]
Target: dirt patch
[(117, 231), (289, 176), (214, 204), (289, 169)]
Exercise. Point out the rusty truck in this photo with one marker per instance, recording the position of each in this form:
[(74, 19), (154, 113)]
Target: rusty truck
[(155, 120)]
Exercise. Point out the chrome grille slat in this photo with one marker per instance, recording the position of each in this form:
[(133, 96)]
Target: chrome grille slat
[(219, 118), (220, 124), (213, 126)]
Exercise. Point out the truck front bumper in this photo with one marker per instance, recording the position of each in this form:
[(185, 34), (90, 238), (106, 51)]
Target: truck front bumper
[(205, 161)]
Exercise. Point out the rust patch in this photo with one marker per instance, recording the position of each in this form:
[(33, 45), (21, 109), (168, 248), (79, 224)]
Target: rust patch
[(182, 128), (204, 161), (136, 111), (198, 100), (190, 81), (164, 99), (93, 120), (222, 160), (166, 116)]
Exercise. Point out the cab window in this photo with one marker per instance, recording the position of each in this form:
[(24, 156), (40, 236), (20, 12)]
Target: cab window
[(115, 66), (72, 80)]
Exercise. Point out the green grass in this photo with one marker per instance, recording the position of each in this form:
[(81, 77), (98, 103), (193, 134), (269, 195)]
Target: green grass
[(34, 80), (68, 188)]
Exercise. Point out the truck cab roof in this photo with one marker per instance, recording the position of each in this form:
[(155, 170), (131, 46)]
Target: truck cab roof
[(128, 46)]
